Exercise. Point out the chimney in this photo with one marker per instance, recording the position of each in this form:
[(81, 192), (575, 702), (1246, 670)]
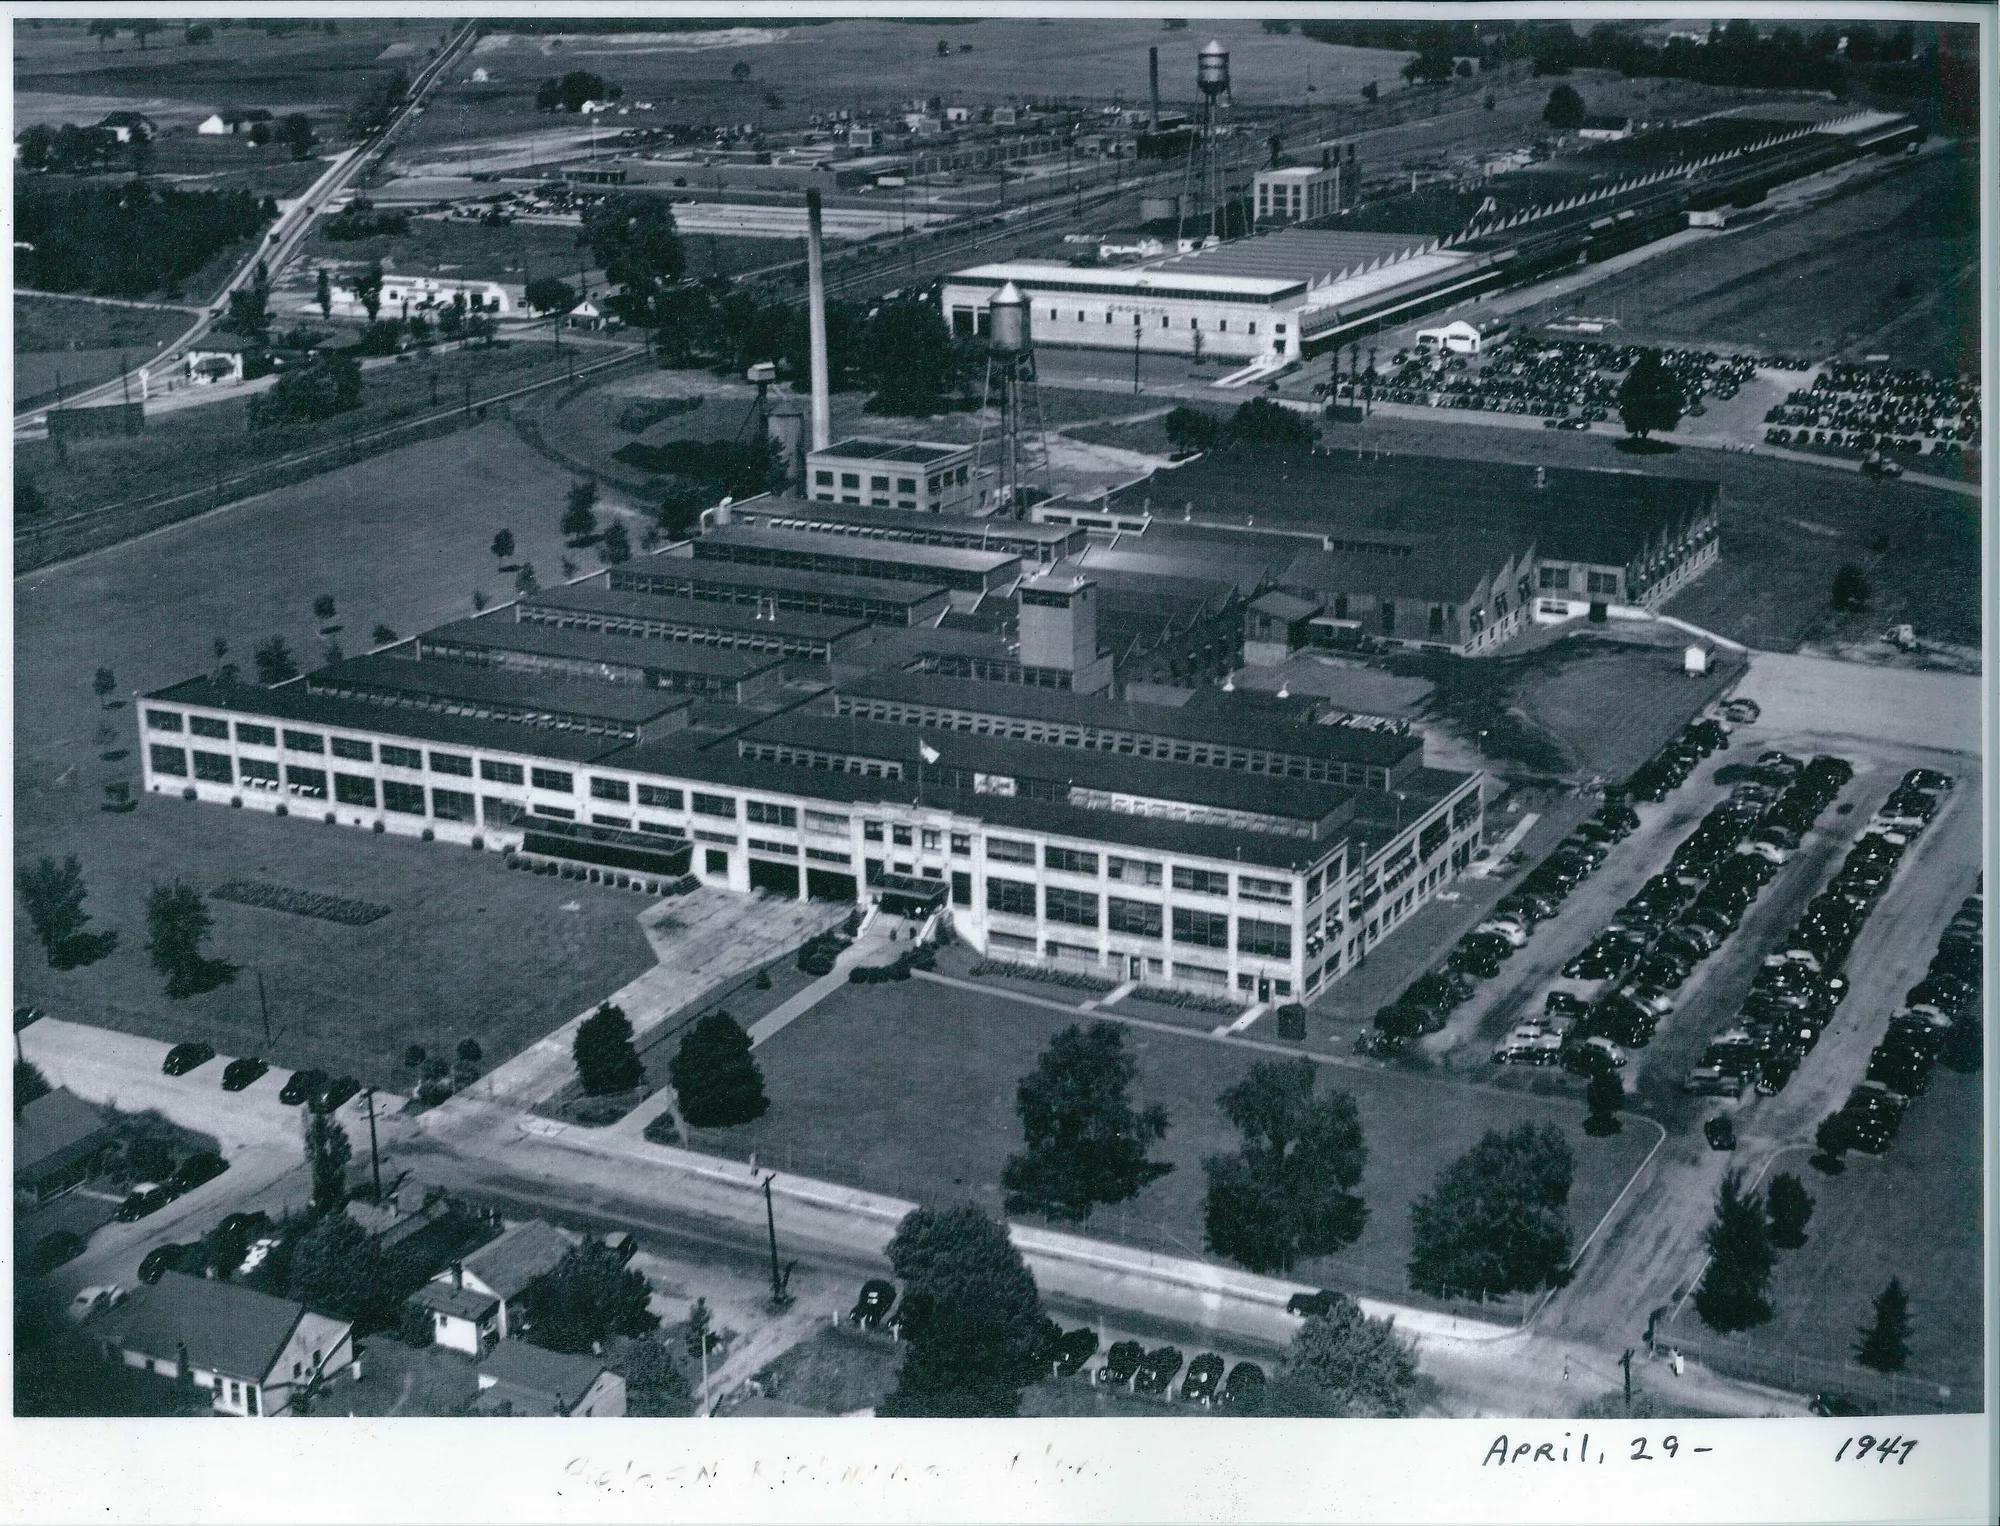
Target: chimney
[(822, 421), (458, 1275), (1153, 73), (1326, 158)]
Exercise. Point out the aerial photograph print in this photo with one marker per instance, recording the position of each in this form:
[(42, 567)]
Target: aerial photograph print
[(1000, 717)]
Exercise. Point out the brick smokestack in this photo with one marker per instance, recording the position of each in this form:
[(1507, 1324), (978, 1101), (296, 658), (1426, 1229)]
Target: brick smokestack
[(1153, 73), (822, 407)]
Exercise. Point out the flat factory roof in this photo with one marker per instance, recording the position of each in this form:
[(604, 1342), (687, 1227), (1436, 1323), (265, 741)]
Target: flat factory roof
[(1312, 255), (696, 614), (532, 637), (444, 680), (1138, 281), (716, 543), (843, 517), (868, 448), (785, 580)]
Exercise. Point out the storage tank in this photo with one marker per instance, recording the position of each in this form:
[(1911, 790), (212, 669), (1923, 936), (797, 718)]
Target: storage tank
[(1211, 70), (1007, 321)]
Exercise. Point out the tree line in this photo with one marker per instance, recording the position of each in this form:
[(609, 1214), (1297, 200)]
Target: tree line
[(127, 240)]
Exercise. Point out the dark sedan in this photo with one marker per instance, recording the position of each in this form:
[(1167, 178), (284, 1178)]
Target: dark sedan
[(302, 1086), (183, 1058), (238, 1074)]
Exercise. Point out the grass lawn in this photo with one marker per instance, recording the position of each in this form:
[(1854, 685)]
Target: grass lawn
[(1786, 529), (67, 345), (835, 1371), (909, 1089), (400, 539), (191, 445), (1915, 1213)]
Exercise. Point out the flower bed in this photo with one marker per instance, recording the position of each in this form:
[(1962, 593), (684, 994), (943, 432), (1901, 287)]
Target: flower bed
[(301, 903), (1070, 979), (1192, 1001)]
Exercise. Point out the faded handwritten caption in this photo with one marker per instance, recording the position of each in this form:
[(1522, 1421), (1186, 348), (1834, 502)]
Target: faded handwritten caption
[(631, 1476)]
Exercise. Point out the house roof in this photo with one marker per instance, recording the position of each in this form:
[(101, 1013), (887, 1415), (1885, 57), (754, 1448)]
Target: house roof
[(518, 1257), (56, 1131), (536, 1370), (224, 1326), (1283, 606), (462, 1303)]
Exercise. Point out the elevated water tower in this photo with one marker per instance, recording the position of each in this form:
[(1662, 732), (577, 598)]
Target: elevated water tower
[(1018, 447), (1206, 185)]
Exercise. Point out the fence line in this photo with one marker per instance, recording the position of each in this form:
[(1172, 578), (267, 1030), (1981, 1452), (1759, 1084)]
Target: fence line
[(1887, 1392)]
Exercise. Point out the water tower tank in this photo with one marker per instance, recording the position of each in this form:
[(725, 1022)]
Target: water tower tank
[(1211, 70), (762, 373), (1007, 321)]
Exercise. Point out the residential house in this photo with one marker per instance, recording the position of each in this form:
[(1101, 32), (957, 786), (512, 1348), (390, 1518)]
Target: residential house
[(232, 121), (506, 1267), (590, 316), (258, 1355), (215, 360), (461, 1318), (127, 126), (59, 1142), (516, 1378)]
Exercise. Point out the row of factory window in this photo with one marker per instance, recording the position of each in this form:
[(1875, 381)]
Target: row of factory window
[(1140, 919), (1125, 743), (1111, 315), (1594, 582), (482, 710), (669, 630)]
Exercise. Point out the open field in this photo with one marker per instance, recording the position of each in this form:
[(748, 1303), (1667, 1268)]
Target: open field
[(1884, 265), (909, 1089), (66, 346), (61, 72), (1786, 529), (1915, 1214), (189, 446), (401, 540)]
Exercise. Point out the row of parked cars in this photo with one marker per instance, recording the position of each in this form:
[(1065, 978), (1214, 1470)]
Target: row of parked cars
[(1796, 989), (1668, 769), (1899, 1067), (321, 1092), (1209, 1379), (146, 1198)]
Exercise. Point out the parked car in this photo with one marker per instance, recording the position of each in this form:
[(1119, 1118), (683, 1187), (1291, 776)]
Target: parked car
[(145, 1198), (202, 1166), (1835, 1406), (1076, 1347), (1565, 1004), (95, 1300), (872, 1307), (1325, 1301), (238, 1074), (250, 1224), (1204, 1377), (1244, 1389), (1157, 1372), (301, 1087), (1121, 1362), (183, 1058), (332, 1094), (1720, 1134), (162, 1259)]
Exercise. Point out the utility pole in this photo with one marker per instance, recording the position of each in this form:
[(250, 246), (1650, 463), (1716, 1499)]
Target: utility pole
[(374, 1153), (780, 1299), (262, 1006), (1138, 334), (1625, 1361)]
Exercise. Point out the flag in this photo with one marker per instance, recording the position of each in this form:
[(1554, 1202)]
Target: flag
[(929, 753)]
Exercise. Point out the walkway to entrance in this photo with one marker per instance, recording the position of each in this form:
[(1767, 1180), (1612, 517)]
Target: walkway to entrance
[(703, 941)]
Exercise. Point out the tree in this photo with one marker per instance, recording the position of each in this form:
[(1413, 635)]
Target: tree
[(274, 662), (503, 544), (579, 523), (524, 579), (635, 241), (247, 314), (1288, 1193), (913, 362), (1734, 1292), (469, 1052), (1790, 1207), (976, 1342), (368, 290), (1430, 67), (327, 1154), (197, 33), (1189, 429), (295, 131), (1565, 109), (103, 31), (589, 1298), (546, 294), (680, 511), (102, 683), (714, 1075), (1086, 1142), (571, 91), (177, 921), (1342, 1365), (141, 30), (52, 894), (1885, 1345), (739, 72), (1649, 398), (326, 385), (615, 545), (1834, 1139), (1851, 591), (1604, 1095), (382, 635), (29, 1085), (1263, 422), (605, 1058), (1370, 91), (1497, 1219), (323, 293), (331, 652), (655, 1384), (337, 1267), (323, 607)]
